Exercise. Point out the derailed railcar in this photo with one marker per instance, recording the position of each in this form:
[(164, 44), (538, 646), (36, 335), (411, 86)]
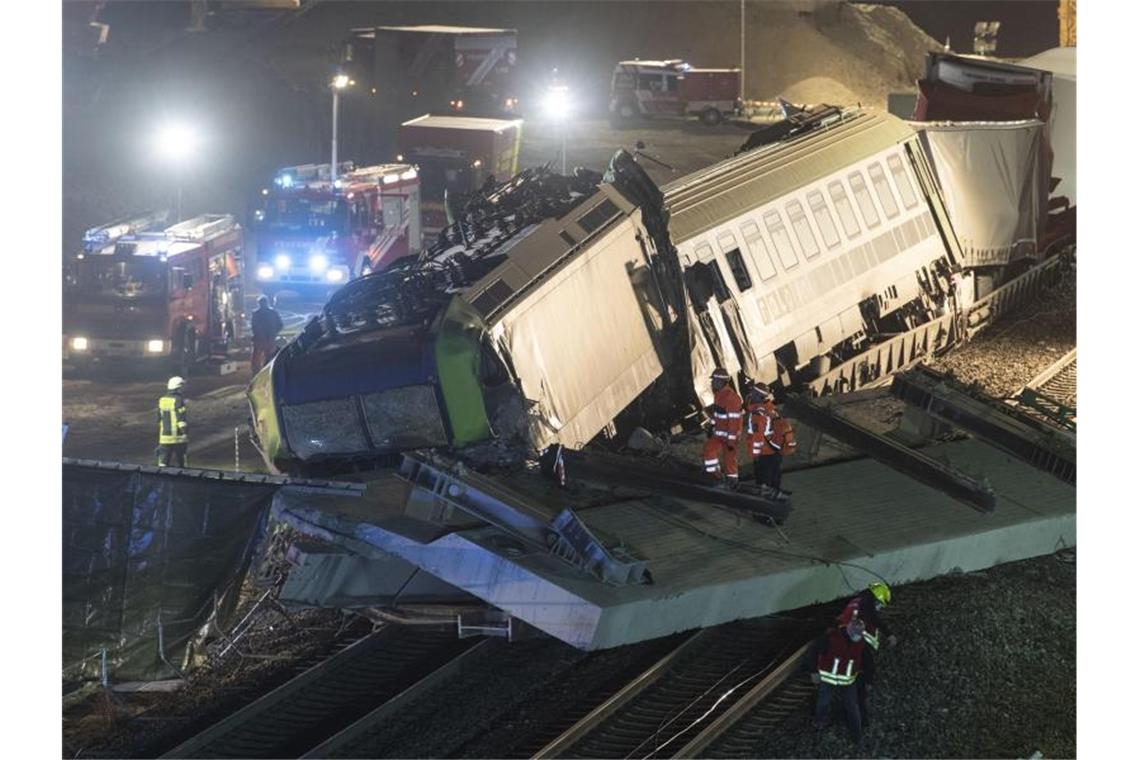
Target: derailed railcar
[(800, 253), (772, 263)]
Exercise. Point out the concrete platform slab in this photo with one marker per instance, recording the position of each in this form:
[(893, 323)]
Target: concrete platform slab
[(853, 522)]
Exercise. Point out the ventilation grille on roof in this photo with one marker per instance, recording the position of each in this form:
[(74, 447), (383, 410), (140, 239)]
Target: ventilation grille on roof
[(490, 299), (598, 215)]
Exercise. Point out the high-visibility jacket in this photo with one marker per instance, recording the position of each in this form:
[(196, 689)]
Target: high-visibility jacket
[(728, 414), (781, 440), (842, 660), (863, 606), (759, 419), (172, 419)]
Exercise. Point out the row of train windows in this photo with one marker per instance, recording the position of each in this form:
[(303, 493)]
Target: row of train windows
[(801, 228), (844, 268)]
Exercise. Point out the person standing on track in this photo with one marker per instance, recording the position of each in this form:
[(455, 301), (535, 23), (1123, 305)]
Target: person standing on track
[(173, 439), (838, 661), (266, 324), (866, 606), (727, 414)]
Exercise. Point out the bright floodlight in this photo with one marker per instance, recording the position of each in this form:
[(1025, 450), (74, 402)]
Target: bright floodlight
[(340, 81), (176, 142), (557, 103)]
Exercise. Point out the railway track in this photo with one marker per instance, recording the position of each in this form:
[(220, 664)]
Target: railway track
[(1052, 395), (721, 678), (329, 697)]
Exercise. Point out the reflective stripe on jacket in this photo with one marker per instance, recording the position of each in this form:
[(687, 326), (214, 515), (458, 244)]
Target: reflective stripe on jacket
[(842, 662), (863, 606), (172, 420), (728, 414)]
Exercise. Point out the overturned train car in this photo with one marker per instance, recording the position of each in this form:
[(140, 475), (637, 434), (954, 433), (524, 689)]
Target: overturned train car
[(551, 312)]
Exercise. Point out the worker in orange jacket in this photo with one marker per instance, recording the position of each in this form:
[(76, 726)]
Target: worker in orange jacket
[(770, 437), (727, 414)]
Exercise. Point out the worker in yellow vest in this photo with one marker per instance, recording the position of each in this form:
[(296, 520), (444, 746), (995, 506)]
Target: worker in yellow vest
[(172, 437)]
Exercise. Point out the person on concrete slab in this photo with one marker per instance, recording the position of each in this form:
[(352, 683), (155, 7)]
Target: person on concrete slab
[(770, 437), (838, 661), (866, 606), (267, 325), (173, 439), (727, 414)]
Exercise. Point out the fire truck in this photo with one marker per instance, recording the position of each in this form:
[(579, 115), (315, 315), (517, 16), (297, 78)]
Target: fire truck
[(673, 88), (142, 291), (315, 233), (456, 155)]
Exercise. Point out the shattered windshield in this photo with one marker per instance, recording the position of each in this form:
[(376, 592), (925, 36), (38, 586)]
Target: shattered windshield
[(295, 214), (141, 278)]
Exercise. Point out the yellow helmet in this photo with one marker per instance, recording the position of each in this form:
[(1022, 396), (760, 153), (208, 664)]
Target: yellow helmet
[(882, 592)]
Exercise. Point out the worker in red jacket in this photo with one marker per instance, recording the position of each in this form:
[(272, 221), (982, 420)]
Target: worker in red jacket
[(770, 436), (839, 663), (727, 414), (866, 606)]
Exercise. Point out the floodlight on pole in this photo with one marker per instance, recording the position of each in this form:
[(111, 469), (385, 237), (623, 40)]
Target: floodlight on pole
[(557, 107), (340, 81), (176, 143)]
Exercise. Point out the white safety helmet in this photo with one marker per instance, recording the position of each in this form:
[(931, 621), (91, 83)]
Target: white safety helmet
[(175, 383)]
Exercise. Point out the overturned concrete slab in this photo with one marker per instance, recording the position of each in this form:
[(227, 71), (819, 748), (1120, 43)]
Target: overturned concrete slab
[(854, 522)]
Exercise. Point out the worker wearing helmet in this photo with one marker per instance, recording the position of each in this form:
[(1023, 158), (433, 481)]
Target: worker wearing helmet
[(172, 437), (866, 606), (727, 413), (770, 438), (839, 663)]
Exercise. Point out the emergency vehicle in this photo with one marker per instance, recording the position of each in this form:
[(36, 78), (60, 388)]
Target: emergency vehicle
[(315, 233), (138, 290), (456, 155), (673, 88)]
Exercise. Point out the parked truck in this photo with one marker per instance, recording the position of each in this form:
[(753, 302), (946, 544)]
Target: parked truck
[(139, 290), (457, 69), (315, 233), (673, 88), (455, 155)]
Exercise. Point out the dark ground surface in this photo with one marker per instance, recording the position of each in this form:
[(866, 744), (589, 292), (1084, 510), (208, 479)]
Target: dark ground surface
[(985, 667)]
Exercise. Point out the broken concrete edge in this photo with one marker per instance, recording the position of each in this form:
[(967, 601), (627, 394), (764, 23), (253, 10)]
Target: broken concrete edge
[(456, 559), (465, 564)]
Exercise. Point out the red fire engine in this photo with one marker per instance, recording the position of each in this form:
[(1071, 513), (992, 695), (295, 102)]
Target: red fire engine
[(314, 233), (140, 292), (673, 88)]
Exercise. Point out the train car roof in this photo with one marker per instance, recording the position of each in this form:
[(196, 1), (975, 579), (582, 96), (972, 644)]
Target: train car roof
[(478, 123), (709, 197)]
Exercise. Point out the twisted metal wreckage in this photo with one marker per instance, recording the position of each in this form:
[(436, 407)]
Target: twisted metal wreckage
[(822, 258)]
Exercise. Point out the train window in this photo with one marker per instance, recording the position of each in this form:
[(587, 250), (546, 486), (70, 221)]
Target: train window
[(803, 229), (758, 250), (720, 289), (823, 219), (863, 198), (902, 181), (780, 239), (843, 207), (883, 190), (739, 270)]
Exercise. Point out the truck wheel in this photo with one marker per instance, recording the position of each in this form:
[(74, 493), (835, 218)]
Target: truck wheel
[(626, 110), (711, 117)]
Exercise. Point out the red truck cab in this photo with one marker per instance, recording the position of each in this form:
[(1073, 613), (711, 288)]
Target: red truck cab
[(143, 292), (673, 88), (315, 233)]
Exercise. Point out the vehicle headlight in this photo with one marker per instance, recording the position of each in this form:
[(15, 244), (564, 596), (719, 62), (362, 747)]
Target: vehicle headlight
[(318, 263), (335, 275), (282, 261), (79, 344), (155, 346), (264, 271)]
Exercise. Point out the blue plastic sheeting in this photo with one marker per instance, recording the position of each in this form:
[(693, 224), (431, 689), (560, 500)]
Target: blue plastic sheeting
[(151, 557)]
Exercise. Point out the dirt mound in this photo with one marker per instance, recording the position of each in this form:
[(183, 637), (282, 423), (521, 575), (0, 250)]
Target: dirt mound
[(840, 54)]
